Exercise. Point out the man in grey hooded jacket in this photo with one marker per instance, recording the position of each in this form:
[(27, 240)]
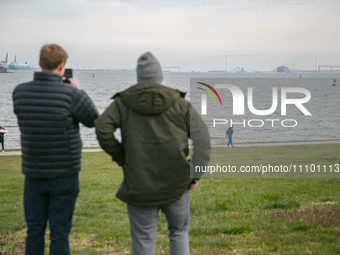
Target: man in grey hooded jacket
[(155, 122)]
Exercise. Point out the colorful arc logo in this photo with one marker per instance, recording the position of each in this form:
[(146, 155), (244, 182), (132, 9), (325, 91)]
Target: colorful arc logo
[(209, 93)]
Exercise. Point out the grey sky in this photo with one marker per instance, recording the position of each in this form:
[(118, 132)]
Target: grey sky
[(258, 35)]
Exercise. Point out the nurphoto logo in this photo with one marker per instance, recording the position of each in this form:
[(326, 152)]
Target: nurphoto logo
[(238, 104)]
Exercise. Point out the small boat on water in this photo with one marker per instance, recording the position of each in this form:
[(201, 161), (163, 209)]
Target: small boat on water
[(2, 68), (3, 64)]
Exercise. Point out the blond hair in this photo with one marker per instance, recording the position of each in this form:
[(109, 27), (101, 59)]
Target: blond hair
[(51, 56)]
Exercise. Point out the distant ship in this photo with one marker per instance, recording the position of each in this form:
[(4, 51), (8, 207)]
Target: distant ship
[(282, 69), (3, 65), (2, 69), (16, 66)]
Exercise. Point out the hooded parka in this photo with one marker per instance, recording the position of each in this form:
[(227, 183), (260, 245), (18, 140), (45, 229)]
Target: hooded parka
[(155, 126)]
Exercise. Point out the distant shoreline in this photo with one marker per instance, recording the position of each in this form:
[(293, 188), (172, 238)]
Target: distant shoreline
[(17, 152), (132, 70)]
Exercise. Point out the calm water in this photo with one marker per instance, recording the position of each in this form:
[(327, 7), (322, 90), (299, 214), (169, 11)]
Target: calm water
[(324, 105)]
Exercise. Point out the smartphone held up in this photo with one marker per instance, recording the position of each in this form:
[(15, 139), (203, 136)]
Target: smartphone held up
[(67, 74)]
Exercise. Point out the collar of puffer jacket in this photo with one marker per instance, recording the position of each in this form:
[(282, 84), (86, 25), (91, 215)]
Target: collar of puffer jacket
[(46, 76)]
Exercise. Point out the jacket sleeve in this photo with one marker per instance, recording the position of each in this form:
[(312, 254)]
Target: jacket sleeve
[(201, 142), (105, 125), (83, 108)]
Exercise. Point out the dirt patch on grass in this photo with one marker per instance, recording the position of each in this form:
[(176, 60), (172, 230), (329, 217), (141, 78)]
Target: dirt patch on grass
[(318, 214), (14, 243)]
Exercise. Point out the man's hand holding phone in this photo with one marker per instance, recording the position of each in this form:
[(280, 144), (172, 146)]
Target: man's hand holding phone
[(68, 78), (74, 82)]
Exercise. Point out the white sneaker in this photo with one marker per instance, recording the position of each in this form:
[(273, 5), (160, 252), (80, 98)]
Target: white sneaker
[(3, 151)]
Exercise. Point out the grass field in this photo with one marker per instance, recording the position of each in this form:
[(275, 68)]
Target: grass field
[(228, 215)]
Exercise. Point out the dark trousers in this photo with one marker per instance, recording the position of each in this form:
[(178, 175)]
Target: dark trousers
[(51, 200), (2, 141)]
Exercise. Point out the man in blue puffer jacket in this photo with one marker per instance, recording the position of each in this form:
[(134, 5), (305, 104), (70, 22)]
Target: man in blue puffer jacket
[(49, 113)]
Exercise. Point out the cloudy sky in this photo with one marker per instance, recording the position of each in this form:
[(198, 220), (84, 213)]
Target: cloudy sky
[(195, 35)]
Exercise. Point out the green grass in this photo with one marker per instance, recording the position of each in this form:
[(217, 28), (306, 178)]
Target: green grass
[(292, 142), (228, 215), (293, 155)]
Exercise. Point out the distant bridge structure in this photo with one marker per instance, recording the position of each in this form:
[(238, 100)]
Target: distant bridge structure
[(238, 70), (167, 68), (129, 69), (293, 70), (331, 67), (123, 69)]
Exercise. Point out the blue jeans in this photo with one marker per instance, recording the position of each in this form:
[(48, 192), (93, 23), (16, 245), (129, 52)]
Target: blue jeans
[(230, 140), (143, 226), (52, 200)]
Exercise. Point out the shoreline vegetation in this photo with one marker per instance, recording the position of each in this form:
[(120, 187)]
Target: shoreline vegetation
[(228, 215)]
